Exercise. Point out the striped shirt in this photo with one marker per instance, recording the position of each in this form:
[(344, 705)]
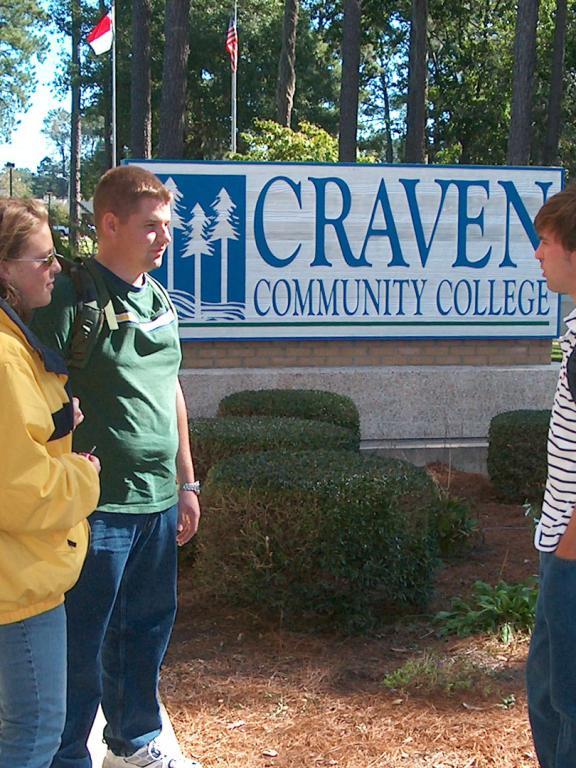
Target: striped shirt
[(560, 493)]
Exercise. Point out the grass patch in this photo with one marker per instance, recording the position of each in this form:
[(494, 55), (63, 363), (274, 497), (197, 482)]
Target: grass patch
[(438, 673)]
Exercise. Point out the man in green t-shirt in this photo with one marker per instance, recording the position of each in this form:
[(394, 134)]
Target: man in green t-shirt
[(121, 612)]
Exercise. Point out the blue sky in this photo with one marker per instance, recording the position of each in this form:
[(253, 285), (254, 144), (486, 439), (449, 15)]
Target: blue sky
[(28, 145)]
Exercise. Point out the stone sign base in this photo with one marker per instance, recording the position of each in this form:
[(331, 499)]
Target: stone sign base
[(421, 413)]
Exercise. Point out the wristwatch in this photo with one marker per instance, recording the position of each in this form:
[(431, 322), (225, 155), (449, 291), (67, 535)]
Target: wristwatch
[(194, 487)]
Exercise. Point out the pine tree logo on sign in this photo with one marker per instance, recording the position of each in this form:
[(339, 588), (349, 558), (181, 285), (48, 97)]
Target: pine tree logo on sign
[(207, 256)]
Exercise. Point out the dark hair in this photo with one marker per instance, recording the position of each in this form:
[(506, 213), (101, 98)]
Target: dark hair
[(558, 216), (19, 219), (121, 189)]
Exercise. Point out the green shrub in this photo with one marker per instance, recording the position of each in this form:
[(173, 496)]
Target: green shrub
[(322, 535), (517, 454), (533, 512), (455, 524), (216, 439), (504, 609), (314, 404), (269, 141), (61, 244)]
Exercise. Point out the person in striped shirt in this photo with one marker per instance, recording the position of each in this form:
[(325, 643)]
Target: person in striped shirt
[(551, 667)]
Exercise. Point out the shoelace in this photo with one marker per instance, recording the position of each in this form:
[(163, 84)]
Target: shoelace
[(157, 754)]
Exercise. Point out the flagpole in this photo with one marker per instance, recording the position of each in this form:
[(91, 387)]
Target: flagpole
[(234, 75), (113, 137)]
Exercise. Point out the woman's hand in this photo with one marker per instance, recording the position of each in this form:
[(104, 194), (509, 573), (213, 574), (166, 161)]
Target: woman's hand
[(94, 460), (78, 415)]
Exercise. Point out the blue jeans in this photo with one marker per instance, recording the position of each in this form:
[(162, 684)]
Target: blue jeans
[(32, 689), (551, 667), (120, 617)]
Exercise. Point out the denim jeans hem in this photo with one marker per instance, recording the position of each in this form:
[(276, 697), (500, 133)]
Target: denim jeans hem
[(120, 618)]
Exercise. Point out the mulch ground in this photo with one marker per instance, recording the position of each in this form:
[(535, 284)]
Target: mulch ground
[(245, 694)]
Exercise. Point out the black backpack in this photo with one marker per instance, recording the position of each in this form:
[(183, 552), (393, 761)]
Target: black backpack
[(571, 373), (93, 309)]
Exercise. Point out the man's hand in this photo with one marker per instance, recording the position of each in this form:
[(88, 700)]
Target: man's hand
[(188, 505), (188, 516)]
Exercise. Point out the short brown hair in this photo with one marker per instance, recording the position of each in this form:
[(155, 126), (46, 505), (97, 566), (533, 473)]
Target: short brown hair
[(19, 219), (558, 216), (120, 190)]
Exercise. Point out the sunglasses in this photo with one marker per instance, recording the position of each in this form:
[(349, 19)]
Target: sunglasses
[(46, 260)]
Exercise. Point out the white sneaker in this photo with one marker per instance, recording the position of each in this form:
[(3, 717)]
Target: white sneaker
[(150, 756)]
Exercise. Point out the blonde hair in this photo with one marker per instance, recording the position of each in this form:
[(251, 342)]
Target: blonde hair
[(120, 190), (19, 219)]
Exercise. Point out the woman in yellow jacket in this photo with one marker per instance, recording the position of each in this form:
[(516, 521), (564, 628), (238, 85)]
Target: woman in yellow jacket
[(46, 494)]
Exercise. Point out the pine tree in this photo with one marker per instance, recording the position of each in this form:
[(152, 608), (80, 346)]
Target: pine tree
[(197, 244), (225, 228)]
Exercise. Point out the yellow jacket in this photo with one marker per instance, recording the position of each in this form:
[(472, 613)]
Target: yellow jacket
[(46, 491)]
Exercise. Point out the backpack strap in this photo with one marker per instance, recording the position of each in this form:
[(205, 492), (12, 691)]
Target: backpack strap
[(93, 308), (571, 373), (103, 295)]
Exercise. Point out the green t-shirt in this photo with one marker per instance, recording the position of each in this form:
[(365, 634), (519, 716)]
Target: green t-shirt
[(127, 391)]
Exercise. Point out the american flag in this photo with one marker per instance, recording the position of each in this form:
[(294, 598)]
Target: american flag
[(232, 44)]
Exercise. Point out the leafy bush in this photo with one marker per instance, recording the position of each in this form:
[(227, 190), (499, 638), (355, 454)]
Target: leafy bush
[(327, 535), (216, 439), (269, 141), (517, 454), (314, 404), (61, 244), (533, 512), (455, 524), (504, 609)]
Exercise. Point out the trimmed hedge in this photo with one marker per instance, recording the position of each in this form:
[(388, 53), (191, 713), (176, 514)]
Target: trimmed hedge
[(324, 535), (314, 404), (517, 462), (215, 439)]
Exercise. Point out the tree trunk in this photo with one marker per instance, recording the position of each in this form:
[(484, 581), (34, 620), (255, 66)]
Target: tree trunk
[(520, 132), (415, 150), (140, 86), (349, 87), (552, 138), (75, 127), (287, 64), (387, 119), (173, 104)]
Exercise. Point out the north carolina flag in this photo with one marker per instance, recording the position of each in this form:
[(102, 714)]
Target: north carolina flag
[(100, 39), (232, 44)]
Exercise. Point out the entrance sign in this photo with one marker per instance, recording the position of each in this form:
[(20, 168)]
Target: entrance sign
[(336, 251)]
